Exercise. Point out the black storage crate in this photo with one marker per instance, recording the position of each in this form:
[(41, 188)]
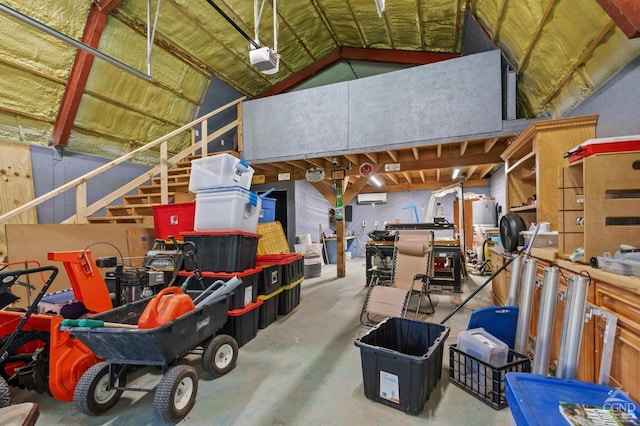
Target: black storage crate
[(485, 382), (402, 362), (244, 294), (269, 308), (289, 298), (270, 279), (242, 324), (227, 251)]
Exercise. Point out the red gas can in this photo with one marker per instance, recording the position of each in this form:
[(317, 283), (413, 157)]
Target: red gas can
[(166, 306)]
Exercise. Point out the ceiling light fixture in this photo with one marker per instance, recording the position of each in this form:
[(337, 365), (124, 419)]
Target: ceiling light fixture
[(375, 180), (380, 7), (456, 172)]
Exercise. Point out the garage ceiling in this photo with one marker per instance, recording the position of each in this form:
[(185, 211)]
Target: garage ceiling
[(52, 95)]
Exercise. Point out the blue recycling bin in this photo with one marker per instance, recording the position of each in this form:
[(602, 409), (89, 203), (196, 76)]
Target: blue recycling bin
[(536, 400)]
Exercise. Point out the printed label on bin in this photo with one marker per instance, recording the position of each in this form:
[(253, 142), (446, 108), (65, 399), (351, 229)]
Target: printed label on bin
[(274, 277), (485, 341), (389, 387), (173, 219), (248, 295)]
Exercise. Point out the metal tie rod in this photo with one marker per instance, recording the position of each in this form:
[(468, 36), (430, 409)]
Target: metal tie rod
[(73, 42), (548, 304)]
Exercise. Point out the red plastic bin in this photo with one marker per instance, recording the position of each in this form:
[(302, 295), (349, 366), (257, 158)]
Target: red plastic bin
[(172, 219)]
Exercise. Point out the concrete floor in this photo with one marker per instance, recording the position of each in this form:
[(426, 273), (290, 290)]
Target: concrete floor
[(303, 369)]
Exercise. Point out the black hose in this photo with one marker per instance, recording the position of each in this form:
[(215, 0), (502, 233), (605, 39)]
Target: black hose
[(472, 295)]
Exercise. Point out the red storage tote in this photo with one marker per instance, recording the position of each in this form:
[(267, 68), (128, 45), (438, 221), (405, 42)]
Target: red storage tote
[(172, 219)]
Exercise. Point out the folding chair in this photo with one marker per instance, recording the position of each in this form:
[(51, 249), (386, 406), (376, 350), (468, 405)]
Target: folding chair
[(412, 261)]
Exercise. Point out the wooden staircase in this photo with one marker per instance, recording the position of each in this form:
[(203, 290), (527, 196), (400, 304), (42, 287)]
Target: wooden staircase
[(137, 208)]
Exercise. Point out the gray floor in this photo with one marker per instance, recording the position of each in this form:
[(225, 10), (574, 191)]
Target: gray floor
[(303, 369)]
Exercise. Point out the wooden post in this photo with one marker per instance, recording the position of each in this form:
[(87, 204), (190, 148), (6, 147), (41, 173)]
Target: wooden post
[(340, 257)]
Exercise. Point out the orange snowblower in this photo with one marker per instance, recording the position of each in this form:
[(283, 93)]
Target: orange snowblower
[(34, 353)]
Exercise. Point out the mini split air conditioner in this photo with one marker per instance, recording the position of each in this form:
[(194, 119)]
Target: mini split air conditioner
[(265, 59), (372, 198)]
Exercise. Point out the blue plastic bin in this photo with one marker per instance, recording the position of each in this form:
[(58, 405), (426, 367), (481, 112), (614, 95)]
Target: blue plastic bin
[(268, 211), (534, 399)]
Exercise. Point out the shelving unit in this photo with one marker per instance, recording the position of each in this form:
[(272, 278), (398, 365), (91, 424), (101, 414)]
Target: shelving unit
[(533, 162), (600, 204)]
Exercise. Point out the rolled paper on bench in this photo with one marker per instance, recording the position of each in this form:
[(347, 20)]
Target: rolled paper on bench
[(413, 248)]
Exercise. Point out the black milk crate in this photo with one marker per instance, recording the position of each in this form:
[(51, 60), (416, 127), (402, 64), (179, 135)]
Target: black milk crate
[(223, 251), (482, 380), (402, 362)]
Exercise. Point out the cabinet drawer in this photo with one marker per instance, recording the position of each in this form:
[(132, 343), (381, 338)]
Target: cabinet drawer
[(572, 199), (572, 221)]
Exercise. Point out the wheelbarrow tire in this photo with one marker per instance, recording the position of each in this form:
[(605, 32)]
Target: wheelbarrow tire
[(220, 355), (5, 393), (176, 393), (91, 396)]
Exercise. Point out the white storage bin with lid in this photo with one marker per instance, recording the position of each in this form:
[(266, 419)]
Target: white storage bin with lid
[(543, 239), (228, 208), (480, 344), (219, 170)]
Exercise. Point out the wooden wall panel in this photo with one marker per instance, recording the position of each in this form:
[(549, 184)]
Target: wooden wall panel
[(16, 185)]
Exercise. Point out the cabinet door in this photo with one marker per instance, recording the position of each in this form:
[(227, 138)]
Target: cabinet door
[(500, 283), (625, 365)]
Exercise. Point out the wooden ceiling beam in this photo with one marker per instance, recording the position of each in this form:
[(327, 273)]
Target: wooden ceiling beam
[(485, 169), (353, 158), (471, 170), (429, 185), (439, 150), (422, 176), (463, 147), (393, 155), (416, 152), (372, 156), (392, 178), (93, 28), (489, 144), (534, 39), (407, 176), (587, 52)]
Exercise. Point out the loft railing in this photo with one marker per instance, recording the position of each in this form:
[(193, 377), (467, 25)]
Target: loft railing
[(83, 211)]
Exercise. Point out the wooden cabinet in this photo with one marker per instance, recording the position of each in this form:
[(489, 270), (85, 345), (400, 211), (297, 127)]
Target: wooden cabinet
[(532, 164), (626, 351), (599, 201), (604, 291)]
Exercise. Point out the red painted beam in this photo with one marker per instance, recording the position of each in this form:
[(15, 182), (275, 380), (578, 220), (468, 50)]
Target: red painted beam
[(625, 13), (356, 54), (80, 72)]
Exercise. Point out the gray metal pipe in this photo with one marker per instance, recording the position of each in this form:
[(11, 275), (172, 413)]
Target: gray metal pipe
[(545, 321), (57, 34), (514, 282), (526, 301), (572, 326)]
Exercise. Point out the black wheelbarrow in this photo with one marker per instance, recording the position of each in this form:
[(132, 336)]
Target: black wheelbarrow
[(124, 346)]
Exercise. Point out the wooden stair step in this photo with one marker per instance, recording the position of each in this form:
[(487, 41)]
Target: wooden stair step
[(130, 210), (121, 219), (173, 179), (146, 198), (180, 170), (155, 188)]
